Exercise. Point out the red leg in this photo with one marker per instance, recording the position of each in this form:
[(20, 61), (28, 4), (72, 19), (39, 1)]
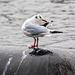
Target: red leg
[(34, 43), (37, 42)]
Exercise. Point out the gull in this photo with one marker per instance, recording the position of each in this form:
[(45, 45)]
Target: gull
[(35, 27)]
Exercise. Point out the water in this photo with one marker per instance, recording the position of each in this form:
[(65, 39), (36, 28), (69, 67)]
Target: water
[(13, 13)]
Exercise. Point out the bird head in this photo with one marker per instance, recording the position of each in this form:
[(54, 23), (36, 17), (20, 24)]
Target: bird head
[(38, 19)]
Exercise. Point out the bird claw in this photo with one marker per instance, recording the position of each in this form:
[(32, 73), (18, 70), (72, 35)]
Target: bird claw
[(33, 46)]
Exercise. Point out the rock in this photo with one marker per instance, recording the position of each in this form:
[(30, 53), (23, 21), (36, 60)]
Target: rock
[(39, 62), (40, 52)]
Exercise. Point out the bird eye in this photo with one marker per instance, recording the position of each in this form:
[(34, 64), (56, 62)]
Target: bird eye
[(39, 16), (36, 17)]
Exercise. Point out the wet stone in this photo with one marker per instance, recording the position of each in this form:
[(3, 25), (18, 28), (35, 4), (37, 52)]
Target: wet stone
[(39, 62), (45, 62), (40, 52)]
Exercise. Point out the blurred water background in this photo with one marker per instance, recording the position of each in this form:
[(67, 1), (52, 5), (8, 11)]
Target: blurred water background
[(13, 13)]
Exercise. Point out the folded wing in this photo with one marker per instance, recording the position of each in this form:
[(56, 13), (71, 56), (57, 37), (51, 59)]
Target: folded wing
[(35, 29)]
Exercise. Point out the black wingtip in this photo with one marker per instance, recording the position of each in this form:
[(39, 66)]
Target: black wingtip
[(56, 32)]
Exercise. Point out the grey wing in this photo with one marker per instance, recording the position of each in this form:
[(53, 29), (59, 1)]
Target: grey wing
[(35, 29)]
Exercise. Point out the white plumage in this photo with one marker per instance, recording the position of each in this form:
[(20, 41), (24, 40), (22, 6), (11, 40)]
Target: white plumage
[(32, 27)]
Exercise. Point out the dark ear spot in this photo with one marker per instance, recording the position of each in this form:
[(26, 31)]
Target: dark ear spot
[(36, 17), (51, 21), (39, 16)]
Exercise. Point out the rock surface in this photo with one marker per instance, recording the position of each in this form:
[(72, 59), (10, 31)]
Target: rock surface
[(13, 61)]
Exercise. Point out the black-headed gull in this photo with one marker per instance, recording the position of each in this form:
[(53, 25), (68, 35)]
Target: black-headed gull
[(35, 27)]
